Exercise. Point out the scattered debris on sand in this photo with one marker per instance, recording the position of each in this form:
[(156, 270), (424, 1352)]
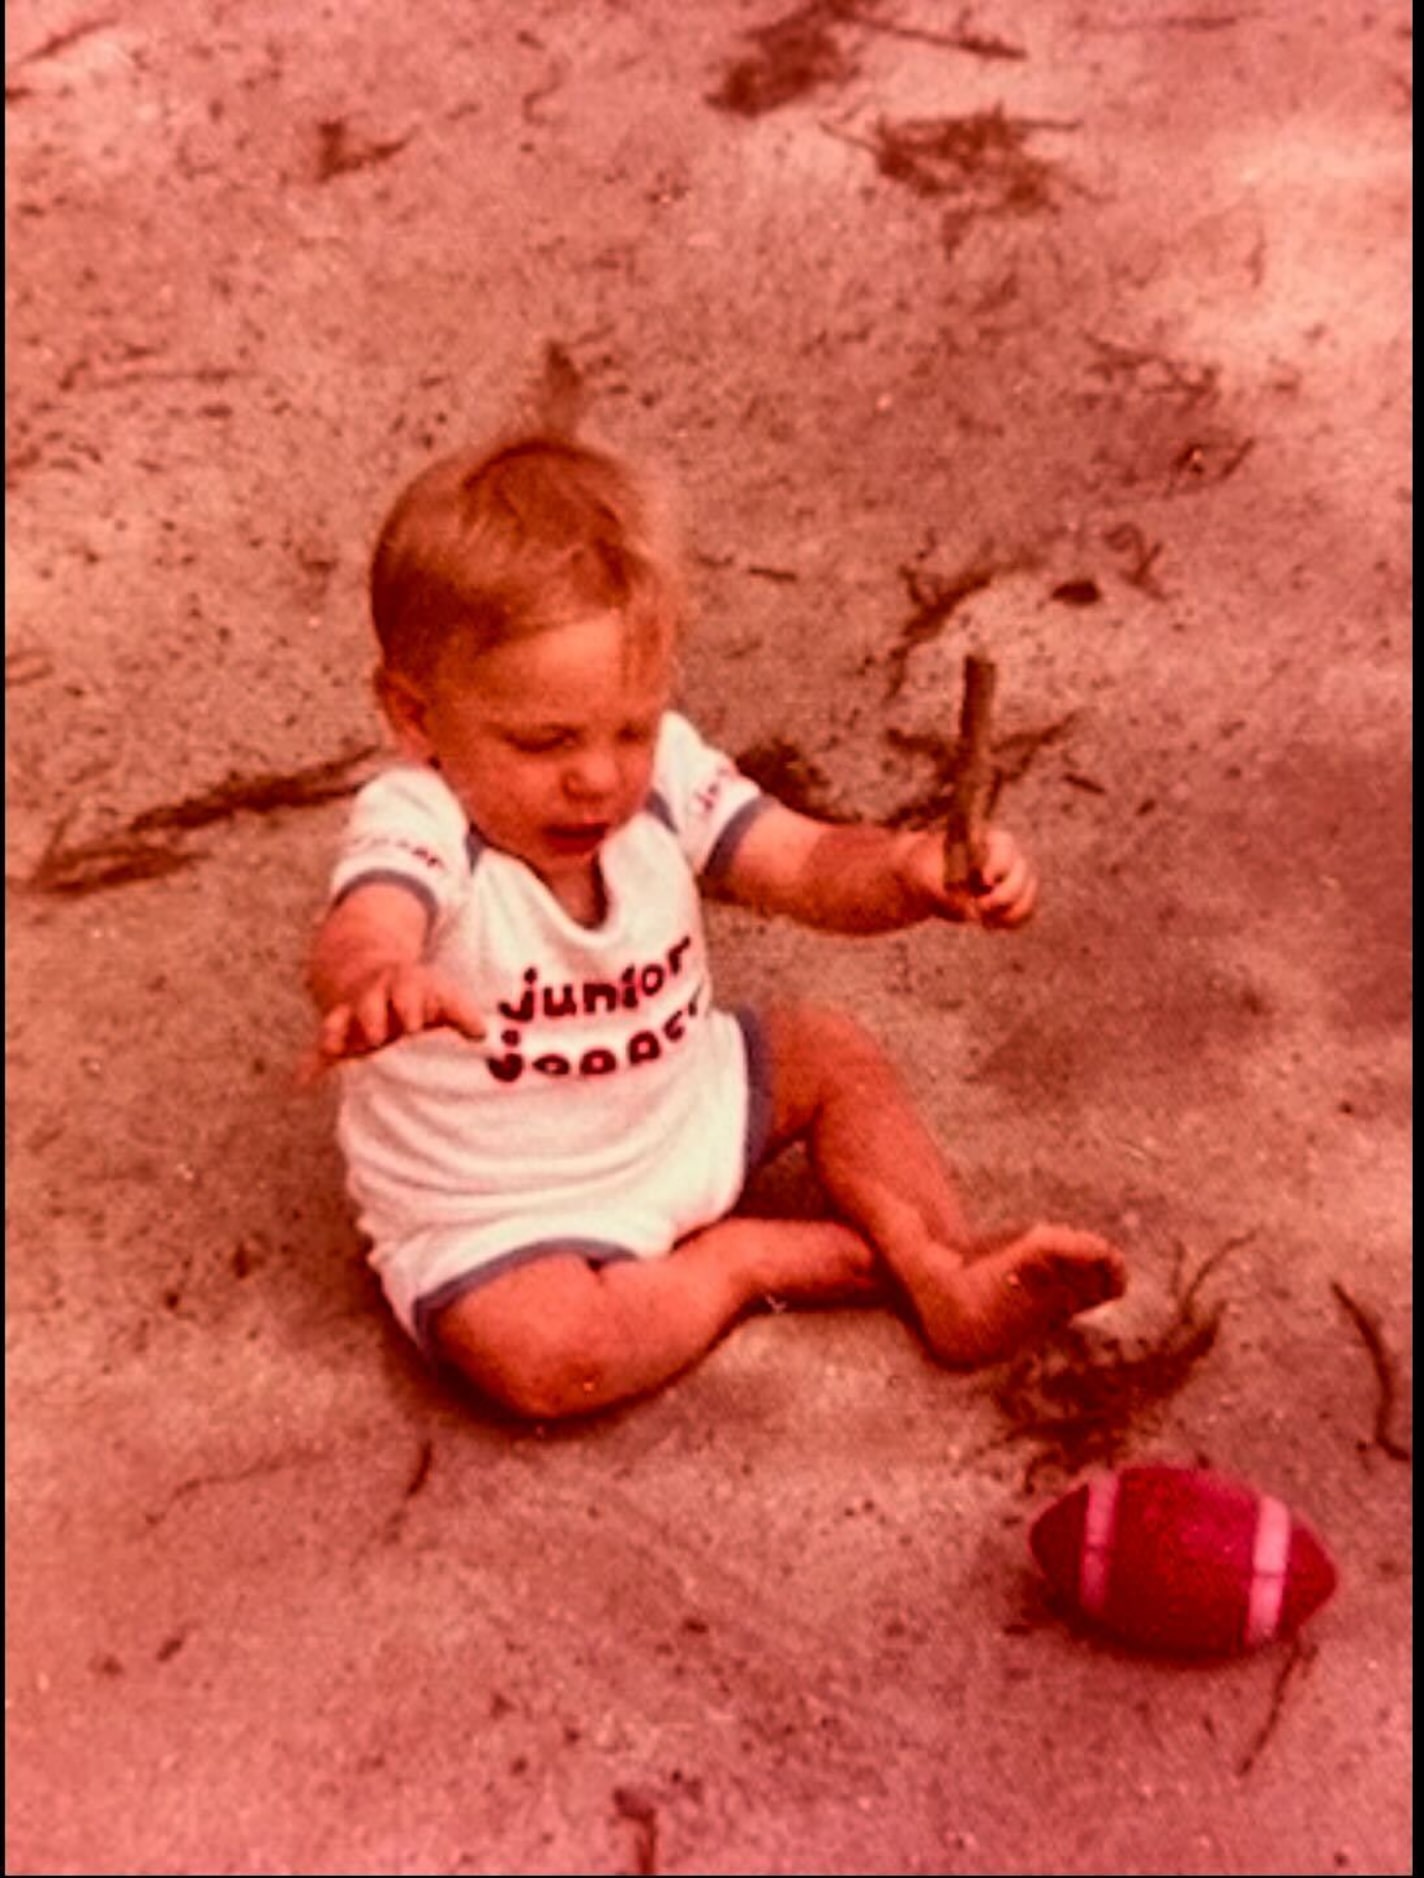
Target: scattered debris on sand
[(73, 869), (1083, 1397), (786, 772)]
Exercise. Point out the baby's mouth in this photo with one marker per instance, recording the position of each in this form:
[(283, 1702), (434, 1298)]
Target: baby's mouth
[(577, 837)]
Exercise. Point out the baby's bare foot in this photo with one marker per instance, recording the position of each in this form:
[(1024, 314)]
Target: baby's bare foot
[(1018, 1291)]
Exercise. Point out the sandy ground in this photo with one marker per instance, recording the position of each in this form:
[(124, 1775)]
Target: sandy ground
[(1109, 359)]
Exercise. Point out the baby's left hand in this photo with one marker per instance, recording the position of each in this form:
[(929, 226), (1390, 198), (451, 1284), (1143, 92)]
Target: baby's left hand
[(1007, 896)]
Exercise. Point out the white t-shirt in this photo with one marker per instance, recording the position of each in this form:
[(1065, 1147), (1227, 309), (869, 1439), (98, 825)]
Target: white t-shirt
[(602, 1040)]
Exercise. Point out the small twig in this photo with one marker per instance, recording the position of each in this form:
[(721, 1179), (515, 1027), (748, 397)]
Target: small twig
[(1372, 1337), (548, 87), (1015, 754), (338, 152), (423, 1463), (1300, 1653), (1127, 537), (116, 381), (642, 1814), (982, 45), (973, 777), (61, 41), (1186, 1299), (25, 667)]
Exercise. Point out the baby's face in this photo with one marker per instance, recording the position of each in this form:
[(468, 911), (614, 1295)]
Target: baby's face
[(548, 741)]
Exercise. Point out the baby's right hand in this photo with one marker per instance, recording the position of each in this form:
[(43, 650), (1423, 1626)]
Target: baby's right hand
[(396, 1001)]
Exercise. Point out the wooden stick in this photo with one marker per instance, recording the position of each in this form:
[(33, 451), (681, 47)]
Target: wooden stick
[(973, 777)]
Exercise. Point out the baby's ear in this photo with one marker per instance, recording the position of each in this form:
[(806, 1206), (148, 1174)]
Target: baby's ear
[(405, 708)]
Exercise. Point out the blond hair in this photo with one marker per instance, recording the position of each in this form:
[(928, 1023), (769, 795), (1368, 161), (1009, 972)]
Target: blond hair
[(498, 543)]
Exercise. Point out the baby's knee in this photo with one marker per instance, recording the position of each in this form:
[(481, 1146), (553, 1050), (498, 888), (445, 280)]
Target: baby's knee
[(543, 1365), (821, 1034), (819, 1051)]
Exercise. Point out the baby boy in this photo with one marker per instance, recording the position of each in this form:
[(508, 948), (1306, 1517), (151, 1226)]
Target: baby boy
[(546, 1117)]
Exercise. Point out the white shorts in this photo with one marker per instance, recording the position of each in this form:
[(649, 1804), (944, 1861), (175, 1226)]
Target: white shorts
[(428, 1270)]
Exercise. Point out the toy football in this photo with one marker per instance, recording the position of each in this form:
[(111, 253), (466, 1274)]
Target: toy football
[(1181, 1560)]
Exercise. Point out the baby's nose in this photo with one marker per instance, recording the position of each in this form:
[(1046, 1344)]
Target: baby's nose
[(593, 774)]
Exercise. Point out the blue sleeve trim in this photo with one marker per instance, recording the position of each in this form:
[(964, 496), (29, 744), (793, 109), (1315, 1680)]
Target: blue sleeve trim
[(390, 877), (730, 839), (759, 1100), (657, 806)]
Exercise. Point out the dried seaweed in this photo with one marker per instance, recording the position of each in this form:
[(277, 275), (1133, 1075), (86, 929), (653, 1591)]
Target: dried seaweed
[(801, 52), (980, 164), (259, 793), (94, 865), (1012, 757), (1154, 373), (794, 55), (72, 869), (778, 766), (1081, 1401), (935, 602)]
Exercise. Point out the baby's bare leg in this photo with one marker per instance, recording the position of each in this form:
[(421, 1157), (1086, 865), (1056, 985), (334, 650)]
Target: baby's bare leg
[(977, 1299), (559, 1337)]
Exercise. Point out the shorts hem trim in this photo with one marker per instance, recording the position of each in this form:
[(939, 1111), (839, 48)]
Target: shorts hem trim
[(597, 1252)]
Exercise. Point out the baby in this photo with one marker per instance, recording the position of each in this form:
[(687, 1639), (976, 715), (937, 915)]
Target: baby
[(546, 1117)]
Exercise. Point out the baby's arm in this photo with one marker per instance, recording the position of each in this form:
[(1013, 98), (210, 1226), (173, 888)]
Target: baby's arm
[(371, 979), (864, 879)]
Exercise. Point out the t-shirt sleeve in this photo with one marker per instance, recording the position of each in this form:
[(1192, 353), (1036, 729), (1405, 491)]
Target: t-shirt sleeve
[(407, 829), (702, 796)]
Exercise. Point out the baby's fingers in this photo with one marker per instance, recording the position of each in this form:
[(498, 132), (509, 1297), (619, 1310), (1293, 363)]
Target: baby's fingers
[(1004, 907), (447, 1004), (332, 1043), (333, 1038), (371, 1015), (409, 998), (1010, 886)]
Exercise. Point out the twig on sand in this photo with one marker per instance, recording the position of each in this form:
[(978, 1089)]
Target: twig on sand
[(640, 1811), (1302, 1654), (339, 152), (963, 39), (1372, 1337), (63, 40)]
